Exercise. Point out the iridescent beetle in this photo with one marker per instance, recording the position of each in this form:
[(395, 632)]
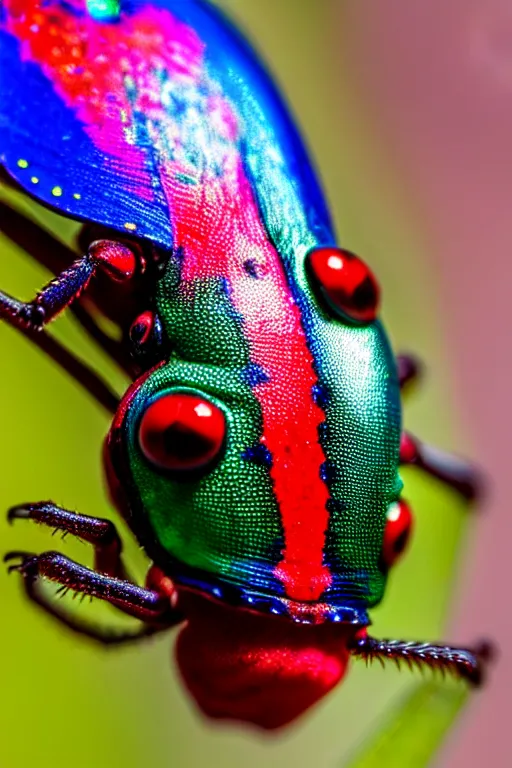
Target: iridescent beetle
[(256, 454)]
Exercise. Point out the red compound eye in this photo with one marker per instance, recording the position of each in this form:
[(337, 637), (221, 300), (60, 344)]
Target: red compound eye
[(345, 283), (181, 431), (141, 328), (397, 532)]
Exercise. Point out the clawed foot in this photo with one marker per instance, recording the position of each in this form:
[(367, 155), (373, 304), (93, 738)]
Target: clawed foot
[(26, 563), (40, 513)]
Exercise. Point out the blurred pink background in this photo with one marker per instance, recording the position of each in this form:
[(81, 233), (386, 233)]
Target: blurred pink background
[(436, 79)]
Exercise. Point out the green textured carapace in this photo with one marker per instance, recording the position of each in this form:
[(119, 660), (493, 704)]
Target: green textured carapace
[(291, 516)]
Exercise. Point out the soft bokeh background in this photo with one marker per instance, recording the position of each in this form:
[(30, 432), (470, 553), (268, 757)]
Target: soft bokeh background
[(405, 107)]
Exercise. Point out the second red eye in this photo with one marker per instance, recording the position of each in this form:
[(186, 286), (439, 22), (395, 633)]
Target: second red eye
[(345, 282), (397, 532), (182, 431)]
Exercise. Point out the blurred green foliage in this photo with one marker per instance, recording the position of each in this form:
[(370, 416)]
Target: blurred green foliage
[(65, 702), (415, 729)]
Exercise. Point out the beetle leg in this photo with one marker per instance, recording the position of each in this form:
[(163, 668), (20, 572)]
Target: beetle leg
[(79, 625), (458, 473), (461, 662), (112, 347), (77, 369), (101, 533), (409, 369), (147, 605), (116, 259), (42, 246)]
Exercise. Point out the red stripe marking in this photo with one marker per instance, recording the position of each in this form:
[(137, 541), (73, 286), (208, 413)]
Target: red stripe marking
[(217, 238)]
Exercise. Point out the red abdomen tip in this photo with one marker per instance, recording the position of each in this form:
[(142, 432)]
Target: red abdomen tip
[(255, 668)]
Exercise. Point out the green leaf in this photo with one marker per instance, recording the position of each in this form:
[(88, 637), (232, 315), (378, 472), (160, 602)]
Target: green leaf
[(414, 733)]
